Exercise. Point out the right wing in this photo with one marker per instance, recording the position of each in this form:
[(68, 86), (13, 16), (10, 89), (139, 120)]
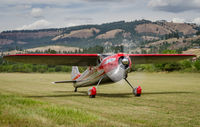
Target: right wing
[(55, 59), (157, 58)]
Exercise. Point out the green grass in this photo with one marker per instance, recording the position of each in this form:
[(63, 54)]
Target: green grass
[(20, 111), (168, 99)]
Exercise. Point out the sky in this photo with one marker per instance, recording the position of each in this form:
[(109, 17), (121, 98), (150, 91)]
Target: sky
[(39, 14)]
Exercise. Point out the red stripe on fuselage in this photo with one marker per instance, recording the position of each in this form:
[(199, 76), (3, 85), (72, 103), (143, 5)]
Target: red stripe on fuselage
[(96, 77)]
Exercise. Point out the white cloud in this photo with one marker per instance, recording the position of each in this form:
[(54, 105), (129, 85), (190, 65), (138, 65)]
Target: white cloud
[(40, 24), (34, 1), (155, 3), (197, 21), (178, 20), (71, 24), (62, 13), (59, 1), (36, 12)]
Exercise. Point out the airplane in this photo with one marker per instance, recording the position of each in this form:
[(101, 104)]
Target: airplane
[(101, 68)]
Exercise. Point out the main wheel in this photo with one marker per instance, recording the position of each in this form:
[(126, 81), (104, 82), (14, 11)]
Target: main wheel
[(92, 96), (137, 91), (75, 90), (92, 92)]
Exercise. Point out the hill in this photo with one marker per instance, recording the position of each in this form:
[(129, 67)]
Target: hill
[(56, 48), (144, 34), (193, 51)]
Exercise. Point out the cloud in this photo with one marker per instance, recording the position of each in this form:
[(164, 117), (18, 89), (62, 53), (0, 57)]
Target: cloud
[(83, 19), (181, 20), (108, 1), (26, 14), (197, 21), (36, 12), (71, 24), (178, 20), (175, 6), (40, 24)]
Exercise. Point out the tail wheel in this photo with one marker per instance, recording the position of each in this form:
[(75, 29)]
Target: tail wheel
[(92, 92), (137, 91), (75, 90)]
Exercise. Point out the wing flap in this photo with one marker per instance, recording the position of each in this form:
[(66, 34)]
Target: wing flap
[(55, 59), (158, 58)]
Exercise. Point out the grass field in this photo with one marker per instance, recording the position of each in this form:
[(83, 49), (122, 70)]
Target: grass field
[(168, 99)]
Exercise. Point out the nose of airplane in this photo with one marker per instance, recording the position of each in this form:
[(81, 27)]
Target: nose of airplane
[(120, 72)]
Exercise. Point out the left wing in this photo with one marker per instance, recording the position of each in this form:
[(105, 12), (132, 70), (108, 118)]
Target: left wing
[(55, 59), (157, 58)]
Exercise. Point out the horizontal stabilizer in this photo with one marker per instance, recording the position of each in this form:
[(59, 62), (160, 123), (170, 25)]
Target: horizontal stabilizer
[(66, 81)]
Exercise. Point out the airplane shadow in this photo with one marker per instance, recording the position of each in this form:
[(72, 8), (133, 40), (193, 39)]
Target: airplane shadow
[(62, 94), (115, 95), (171, 92)]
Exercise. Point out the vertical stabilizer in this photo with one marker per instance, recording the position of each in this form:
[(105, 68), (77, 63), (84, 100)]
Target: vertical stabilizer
[(75, 73)]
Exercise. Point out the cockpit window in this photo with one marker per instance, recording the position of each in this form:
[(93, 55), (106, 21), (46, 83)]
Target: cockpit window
[(110, 60)]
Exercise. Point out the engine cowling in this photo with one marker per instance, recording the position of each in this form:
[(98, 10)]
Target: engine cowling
[(121, 68)]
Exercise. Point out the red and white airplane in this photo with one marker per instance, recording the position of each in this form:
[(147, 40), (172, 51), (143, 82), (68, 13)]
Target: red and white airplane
[(101, 68)]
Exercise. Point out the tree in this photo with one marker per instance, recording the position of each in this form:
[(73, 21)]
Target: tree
[(169, 51), (198, 32), (197, 64)]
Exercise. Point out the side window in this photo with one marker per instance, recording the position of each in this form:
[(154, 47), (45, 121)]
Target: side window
[(110, 60)]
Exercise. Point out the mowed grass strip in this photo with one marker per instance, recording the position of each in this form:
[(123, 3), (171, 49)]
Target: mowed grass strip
[(168, 99), (18, 111)]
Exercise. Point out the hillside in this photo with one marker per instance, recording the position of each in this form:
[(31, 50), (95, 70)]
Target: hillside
[(185, 45), (137, 35), (60, 49), (193, 51)]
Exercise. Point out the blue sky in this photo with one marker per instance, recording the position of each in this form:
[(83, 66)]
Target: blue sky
[(37, 14)]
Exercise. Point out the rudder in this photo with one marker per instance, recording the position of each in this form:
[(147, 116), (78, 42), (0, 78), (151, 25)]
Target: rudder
[(75, 73)]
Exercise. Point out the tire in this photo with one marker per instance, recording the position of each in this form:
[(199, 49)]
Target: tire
[(135, 93), (92, 96), (138, 95)]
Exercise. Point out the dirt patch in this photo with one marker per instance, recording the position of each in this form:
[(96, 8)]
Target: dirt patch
[(84, 33), (5, 42), (109, 34), (152, 28)]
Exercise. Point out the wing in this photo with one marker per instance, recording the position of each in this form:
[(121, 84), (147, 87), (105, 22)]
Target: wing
[(55, 59), (157, 58)]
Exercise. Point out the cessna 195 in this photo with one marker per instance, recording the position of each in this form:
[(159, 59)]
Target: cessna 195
[(101, 68)]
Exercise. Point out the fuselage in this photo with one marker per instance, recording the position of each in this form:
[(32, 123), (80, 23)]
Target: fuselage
[(110, 69)]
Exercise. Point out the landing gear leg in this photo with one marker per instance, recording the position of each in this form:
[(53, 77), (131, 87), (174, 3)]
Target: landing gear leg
[(136, 91), (75, 90), (92, 90)]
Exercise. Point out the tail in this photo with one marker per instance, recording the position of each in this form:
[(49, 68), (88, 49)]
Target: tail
[(75, 73)]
